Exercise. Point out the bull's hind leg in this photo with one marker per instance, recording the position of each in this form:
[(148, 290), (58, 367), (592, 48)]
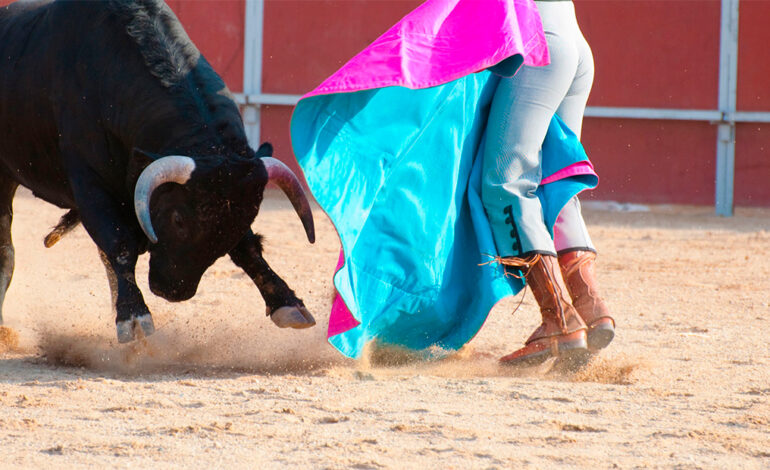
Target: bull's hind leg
[(7, 191), (283, 306)]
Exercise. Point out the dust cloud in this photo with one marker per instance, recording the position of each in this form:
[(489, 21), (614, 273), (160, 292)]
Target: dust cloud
[(226, 348), (9, 340)]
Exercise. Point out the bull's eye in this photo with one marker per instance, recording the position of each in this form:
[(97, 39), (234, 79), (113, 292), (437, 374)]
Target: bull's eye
[(178, 223)]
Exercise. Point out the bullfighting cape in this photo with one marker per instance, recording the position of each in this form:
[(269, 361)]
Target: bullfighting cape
[(391, 149)]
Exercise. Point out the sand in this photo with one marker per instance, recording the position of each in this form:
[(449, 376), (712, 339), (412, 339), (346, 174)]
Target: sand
[(686, 384)]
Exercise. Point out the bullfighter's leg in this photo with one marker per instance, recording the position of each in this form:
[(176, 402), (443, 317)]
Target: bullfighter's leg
[(283, 306), (7, 191), (519, 118), (570, 235), (117, 238)]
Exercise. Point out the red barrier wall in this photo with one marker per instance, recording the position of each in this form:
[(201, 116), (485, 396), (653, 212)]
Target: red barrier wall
[(661, 66), (648, 53), (651, 161), (753, 56), (216, 27), (307, 40), (666, 55), (653, 54), (752, 164), (752, 141), (645, 58)]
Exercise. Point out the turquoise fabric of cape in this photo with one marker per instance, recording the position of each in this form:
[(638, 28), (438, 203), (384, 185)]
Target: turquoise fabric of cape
[(397, 171)]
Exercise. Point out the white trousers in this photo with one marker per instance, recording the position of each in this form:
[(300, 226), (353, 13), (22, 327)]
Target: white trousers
[(520, 113)]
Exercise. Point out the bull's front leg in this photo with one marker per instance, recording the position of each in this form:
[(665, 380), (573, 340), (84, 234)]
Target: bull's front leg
[(284, 308), (117, 237), (119, 254), (127, 302), (119, 251)]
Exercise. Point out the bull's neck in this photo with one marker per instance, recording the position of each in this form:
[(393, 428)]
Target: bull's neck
[(194, 117)]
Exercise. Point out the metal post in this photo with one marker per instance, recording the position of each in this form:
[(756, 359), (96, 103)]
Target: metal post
[(728, 84), (252, 67)]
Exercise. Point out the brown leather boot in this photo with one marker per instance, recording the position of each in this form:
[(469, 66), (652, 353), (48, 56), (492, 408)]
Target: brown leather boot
[(562, 332), (577, 267)]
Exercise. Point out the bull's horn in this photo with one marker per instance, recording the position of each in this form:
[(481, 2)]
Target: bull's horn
[(172, 169), (282, 176)]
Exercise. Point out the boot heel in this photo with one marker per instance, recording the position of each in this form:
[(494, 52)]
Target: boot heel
[(601, 334), (573, 341)]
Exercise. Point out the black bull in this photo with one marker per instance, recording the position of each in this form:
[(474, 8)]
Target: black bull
[(109, 110)]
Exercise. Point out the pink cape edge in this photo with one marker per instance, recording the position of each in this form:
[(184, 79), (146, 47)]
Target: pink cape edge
[(576, 169), (340, 318)]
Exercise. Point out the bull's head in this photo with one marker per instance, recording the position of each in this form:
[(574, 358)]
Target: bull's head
[(203, 213)]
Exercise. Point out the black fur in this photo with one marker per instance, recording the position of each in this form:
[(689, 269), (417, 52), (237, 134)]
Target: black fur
[(90, 93), (167, 50)]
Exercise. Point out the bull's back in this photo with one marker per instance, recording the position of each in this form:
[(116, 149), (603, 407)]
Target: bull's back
[(29, 151)]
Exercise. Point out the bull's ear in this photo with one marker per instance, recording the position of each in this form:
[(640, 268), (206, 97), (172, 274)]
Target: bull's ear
[(138, 161), (265, 150)]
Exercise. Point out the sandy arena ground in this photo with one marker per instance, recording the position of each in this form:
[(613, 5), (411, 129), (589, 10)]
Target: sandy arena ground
[(686, 384)]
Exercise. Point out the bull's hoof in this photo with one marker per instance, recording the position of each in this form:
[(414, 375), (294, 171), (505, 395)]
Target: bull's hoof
[(293, 317), (127, 329), (146, 324)]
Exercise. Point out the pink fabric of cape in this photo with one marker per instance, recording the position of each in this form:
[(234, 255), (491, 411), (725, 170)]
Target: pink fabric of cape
[(443, 40), (581, 168), (440, 41), (340, 318)]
